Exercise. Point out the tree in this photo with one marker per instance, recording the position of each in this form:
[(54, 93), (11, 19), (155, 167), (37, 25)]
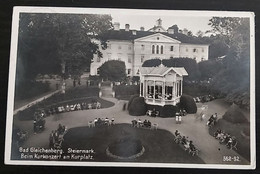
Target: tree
[(113, 70), (59, 43)]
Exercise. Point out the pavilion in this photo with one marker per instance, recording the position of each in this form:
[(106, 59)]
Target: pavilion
[(161, 85)]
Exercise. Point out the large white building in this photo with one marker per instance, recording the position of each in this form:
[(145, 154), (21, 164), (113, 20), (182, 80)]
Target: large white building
[(134, 47)]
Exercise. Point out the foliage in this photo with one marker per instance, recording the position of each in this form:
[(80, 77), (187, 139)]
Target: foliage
[(168, 111), (126, 90), (131, 100), (113, 70), (137, 107), (58, 43), (190, 65), (31, 88), (210, 68), (187, 103), (234, 115)]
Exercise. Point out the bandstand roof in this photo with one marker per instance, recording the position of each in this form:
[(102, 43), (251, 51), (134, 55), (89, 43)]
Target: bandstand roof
[(161, 71)]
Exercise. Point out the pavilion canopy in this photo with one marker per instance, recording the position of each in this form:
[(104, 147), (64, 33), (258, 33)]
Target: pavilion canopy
[(161, 71)]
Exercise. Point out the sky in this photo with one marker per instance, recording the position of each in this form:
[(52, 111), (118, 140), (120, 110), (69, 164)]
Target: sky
[(192, 23)]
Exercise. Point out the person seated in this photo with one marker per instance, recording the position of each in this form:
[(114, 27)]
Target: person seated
[(186, 145), (176, 133), (217, 133), (112, 120), (149, 124), (99, 121), (67, 108), (59, 129), (95, 121), (78, 106), (183, 140), (145, 123), (149, 112), (139, 122), (89, 106), (134, 123), (192, 147), (106, 121), (98, 105)]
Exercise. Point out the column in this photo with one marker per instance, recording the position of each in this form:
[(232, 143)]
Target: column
[(140, 90), (181, 87), (154, 89), (163, 91)]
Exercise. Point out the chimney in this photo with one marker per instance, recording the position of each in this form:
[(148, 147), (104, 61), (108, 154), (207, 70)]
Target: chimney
[(141, 28), (127, 27), (116, 26)]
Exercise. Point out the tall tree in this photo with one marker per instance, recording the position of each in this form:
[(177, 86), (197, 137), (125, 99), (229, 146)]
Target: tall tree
[(59, 43)]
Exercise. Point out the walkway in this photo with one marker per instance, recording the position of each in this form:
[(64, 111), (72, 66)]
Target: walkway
[(210, 150)]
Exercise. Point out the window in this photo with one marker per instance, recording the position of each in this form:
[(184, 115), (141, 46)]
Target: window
[(98, 71), (119, 47), (129, 59), (187, 49), (171, 48), (161, 49), (158, 38), (157, 49), (194, 58), (202, 59), (153, 47), (142, 58), (142, 47), (128, 71), (195, 50)]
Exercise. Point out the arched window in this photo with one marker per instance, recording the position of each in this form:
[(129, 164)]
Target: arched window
[(161, 49), (157, 49), (153, 49)]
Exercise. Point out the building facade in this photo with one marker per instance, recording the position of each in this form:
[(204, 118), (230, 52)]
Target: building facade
[(134, 47)]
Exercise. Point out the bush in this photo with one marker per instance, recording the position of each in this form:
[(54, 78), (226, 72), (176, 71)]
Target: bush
[(234, 115), (131, 100), (187, 103), (126, 90), (137, 107), (168, 111)]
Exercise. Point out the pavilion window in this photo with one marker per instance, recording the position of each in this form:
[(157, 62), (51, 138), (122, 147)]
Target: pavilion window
[(161, 49), (150, 88), (153, 47), (158, 90), (168, 92), (142, 88), (157, 49)]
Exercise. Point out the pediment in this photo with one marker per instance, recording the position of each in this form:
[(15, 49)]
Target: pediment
[(157, 37)]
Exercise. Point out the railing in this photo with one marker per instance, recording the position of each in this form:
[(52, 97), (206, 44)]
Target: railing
[(162, 102)]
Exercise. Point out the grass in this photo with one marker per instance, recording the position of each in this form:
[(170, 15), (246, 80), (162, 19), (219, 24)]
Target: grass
[(159, 145), (243, 144)]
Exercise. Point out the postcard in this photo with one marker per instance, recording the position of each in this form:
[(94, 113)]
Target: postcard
[(131, 88)]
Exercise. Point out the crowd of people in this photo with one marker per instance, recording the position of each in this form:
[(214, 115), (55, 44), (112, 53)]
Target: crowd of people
[(73, 107), (204, 98), (101, 121), (186, 144), (56, 137), (226, 138), (144, 124), (19, 136), (152, 113)]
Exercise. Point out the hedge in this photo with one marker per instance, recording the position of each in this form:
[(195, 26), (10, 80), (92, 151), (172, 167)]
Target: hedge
[(187, 103), (131, 100), (168, 111), (234, 115), (137, 107)]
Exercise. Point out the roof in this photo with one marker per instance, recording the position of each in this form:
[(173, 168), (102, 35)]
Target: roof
[(128, 35), (161, 71)]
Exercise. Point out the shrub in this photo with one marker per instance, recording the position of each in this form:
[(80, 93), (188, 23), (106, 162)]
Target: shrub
[(137, 107), (126, 90), (234, 115), (168, 111), (131, 100), (187, 103)]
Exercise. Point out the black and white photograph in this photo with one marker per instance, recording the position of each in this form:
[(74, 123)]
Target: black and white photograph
[(131, 88)]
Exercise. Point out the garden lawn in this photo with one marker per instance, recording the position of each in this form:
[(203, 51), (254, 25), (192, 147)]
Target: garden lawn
[(159, 145), (243, 143)]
